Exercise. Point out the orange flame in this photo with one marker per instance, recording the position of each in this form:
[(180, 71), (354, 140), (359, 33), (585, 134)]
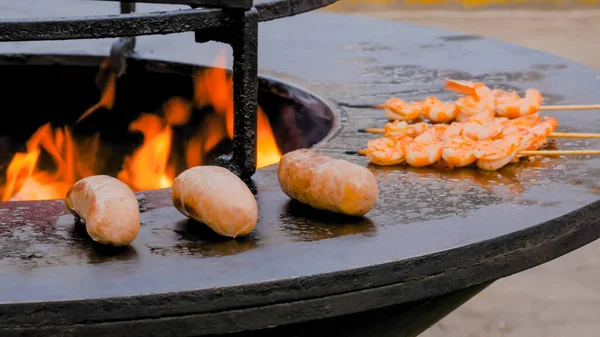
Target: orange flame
[(26, 181), (149, 167), (107, 99), (213, 87), (152, 165)]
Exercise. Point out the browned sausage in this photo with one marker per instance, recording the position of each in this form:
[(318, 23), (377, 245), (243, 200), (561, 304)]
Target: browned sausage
[(326, 183), (216, 197), (108, 207)]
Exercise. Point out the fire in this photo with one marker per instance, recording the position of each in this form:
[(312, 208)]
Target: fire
[(107, 100), (214, 88), (267, 149), (25, 180), (150, 166)]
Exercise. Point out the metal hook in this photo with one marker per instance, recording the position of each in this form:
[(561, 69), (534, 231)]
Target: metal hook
[(123, 46)]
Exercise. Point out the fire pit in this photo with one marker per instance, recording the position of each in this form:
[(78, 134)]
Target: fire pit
[(186, 120), (434, 239)]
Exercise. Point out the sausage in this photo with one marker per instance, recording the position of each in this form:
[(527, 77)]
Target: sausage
[(108, 207), (216, 197), (326, 183)]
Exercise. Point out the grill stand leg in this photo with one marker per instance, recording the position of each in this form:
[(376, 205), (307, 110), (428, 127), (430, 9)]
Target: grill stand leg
[(244, 42)]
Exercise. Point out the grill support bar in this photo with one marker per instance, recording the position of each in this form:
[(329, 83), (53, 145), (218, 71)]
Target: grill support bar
[(241, 33), (245, 92)]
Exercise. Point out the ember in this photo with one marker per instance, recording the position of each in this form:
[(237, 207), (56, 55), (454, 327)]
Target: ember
[(152, 165)]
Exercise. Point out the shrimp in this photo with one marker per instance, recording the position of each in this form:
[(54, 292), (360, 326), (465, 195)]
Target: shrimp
[(397, 109), (442, 132), (500, 95), (453, 130), (401, 128), (528, 121), (387, 151), (438, 131), (535, 96), (482, 126), (424, 150), (459, 151), (493, 154), (527, 137), (438, 111), (540, 133), (467, 88), (513, 108), (469, 106)]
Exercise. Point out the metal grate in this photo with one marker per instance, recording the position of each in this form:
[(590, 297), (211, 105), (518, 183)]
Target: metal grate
[(234, 22)]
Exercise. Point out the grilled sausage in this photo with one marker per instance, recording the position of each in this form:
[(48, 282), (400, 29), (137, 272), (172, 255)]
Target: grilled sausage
[(108, 207), (326, 183), (216, 197)]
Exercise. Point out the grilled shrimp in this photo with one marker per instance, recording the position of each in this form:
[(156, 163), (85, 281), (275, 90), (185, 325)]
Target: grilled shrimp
[(387, 151), (482, 126), (468, 88), (528, 121), (438, 111), (540, 133), (501, 96), (469, 106), (424, 150), (513, 108), (493, 154), (453, 130), (397, 109), (442, 132), (401, 128), (459, 151)]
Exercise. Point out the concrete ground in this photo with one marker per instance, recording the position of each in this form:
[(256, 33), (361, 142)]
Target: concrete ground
[(560, 298)]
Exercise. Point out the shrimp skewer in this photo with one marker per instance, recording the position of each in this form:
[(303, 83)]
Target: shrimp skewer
[(477, 98), (431, 108), (477, 123), (441, 142)]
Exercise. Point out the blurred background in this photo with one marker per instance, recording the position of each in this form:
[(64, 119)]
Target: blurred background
[(560, 298)]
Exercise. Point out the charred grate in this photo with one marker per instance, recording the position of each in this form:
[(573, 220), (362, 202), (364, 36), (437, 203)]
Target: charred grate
[(234, 22)]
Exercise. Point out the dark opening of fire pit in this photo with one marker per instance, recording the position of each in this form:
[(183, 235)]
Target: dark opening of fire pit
[(73, 118)]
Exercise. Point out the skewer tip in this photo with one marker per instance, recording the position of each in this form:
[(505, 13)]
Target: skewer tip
[(351, 152), (362, 130)]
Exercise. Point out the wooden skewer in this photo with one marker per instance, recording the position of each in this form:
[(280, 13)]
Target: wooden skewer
[(372, 130), (541, 108), (524, 153), (574, 135), (570, 107), (558, 152), (552, 135)]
